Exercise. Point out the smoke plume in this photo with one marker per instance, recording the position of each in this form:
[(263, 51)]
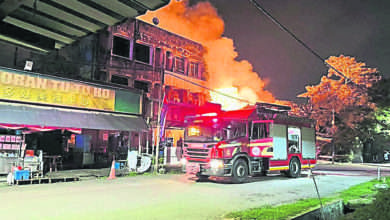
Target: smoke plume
[(201, 23)]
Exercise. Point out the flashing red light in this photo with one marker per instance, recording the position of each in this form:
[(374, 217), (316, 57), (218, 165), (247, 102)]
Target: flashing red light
[(216, 152)]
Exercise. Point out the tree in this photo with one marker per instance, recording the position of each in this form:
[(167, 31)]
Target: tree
[(379, 94), (340, 102)]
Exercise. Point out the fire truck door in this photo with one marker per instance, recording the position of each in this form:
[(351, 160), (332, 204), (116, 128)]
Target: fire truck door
[(260, 143)]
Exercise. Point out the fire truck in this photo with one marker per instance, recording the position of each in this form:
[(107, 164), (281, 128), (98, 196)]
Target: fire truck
[(251, 141)]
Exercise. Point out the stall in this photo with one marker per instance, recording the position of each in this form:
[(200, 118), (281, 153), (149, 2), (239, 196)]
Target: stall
[(11, 149)]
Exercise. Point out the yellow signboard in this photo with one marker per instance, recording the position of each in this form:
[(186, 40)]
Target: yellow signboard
[(38, 89)]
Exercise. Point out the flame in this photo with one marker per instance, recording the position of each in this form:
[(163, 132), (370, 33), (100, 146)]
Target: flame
[(226, 102), (202, 24)]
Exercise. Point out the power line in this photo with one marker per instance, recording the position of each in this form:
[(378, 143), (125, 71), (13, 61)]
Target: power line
[(167, 72), (284, 28)]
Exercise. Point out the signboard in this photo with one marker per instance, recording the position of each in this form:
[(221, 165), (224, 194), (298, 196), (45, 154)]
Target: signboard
[(41, 89), (34, 88)]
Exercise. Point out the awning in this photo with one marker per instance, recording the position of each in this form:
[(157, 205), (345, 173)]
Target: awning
[(11, 113)]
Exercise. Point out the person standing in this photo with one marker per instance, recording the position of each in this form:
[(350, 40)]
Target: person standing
[(179, 149)]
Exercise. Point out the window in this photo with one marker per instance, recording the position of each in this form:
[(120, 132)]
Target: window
[(294, 140), (100, 75), (142, 53), (259, 131), (179, 65), (144, 86), (193, 70), (121, 46), (235, 130), (119, 80), (169, 61)]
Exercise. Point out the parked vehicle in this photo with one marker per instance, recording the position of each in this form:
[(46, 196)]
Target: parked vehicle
[(247, 142)]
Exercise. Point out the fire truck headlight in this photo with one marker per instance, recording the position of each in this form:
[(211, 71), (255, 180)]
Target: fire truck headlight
[(216, 164), (183, 161)]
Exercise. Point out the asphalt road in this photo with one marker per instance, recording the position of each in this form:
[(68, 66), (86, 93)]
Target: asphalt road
[(159, 197)]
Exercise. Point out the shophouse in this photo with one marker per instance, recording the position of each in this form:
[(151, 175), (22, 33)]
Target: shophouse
[(99, 96), (137, 54)]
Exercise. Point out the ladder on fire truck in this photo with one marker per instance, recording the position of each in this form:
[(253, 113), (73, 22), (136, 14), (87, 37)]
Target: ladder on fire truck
[(262, 107)]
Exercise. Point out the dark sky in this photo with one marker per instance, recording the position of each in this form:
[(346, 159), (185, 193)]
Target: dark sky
[(330, 27)]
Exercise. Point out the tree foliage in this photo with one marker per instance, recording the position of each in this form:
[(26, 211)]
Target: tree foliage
[(380, 95), (340, 102)]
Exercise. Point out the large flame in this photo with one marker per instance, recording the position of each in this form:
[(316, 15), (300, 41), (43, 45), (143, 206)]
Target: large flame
[(202, 24), (228, 103)]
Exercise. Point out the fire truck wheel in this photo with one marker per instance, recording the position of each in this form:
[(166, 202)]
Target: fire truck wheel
[(294, 168), (240, 171)]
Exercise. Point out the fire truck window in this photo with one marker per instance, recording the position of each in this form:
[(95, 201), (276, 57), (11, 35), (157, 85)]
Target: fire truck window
[(294, 136), (237, 130), (259, 131)]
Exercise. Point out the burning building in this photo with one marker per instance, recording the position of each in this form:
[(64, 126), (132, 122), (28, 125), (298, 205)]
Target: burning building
[(125, 62), (143, 64), (225, 73), (140, 54)]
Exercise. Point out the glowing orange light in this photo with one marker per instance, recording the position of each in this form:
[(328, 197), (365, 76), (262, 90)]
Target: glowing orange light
[(193, 131), (228, 103)]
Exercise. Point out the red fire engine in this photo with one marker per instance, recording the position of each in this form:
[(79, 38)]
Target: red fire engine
[(247, 142)]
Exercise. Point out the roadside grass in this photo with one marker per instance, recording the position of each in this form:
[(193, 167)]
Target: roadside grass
[(365, 190), (277, 212)]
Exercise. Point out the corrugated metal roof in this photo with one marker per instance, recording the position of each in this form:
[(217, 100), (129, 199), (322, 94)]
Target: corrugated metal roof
[(48, 24)]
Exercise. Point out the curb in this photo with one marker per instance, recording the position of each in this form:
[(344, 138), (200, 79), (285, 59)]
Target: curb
[(334, 174)]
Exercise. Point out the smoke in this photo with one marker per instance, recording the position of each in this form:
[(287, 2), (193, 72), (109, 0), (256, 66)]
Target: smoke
[(202, 24)]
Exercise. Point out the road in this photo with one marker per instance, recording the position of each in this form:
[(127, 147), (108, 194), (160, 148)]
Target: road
[(159, 197)]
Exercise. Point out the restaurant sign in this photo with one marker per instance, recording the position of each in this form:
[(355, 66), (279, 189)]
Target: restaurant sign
[(43, 89)]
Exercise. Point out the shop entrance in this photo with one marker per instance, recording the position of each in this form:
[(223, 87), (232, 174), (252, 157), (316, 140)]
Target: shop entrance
[(173, 145)]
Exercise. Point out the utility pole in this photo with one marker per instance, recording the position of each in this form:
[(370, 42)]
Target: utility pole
[(333, 132), (160, 105)]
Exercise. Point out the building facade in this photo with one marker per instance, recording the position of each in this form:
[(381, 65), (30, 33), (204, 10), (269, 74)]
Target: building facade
[(137, 54), (132, 58), (80, 123)]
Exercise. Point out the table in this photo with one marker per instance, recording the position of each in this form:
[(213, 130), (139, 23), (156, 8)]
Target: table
[(53, 160)]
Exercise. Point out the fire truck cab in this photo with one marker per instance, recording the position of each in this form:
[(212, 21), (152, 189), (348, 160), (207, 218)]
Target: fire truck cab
[(251, 141)]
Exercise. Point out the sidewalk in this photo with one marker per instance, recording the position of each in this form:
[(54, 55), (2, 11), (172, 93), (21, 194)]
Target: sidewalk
[(84, 174), (80, 173)]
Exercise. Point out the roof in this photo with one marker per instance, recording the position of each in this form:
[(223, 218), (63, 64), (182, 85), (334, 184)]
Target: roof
[(46, 25)]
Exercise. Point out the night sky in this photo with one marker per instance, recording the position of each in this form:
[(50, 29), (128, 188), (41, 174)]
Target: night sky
[(330, 27)]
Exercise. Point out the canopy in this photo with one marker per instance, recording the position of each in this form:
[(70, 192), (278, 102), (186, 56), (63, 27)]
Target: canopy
[(23, 114)]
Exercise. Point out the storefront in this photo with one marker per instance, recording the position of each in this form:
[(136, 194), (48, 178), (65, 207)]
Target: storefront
[(84, 124)]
